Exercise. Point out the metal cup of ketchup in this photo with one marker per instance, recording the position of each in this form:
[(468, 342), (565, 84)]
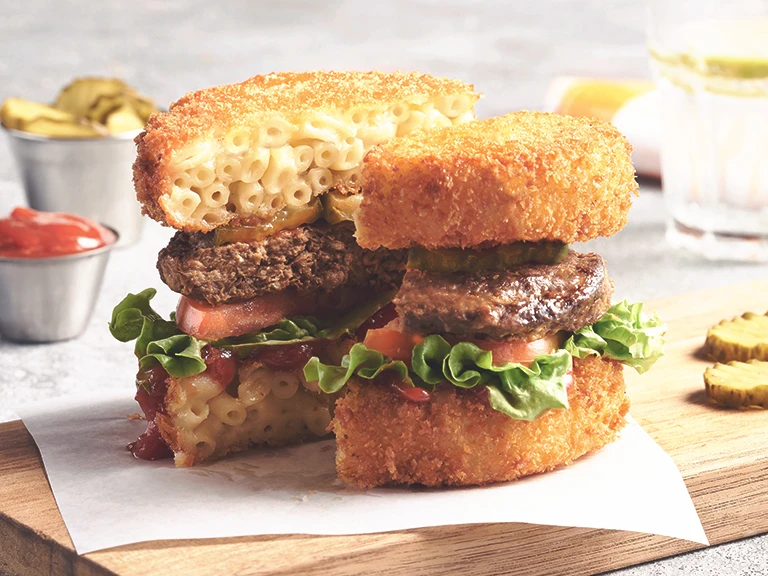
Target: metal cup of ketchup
[(92, 177), (51, 270)]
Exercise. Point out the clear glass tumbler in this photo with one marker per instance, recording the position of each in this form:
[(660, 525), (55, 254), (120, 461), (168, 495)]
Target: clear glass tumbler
[(710, 61)]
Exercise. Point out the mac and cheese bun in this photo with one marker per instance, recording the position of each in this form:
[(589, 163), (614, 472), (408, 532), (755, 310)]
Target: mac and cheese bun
[(202, 422), (526, 176), (249, 150)]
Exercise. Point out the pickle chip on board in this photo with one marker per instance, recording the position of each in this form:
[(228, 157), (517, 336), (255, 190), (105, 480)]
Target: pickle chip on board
[(742, 338), (738, 384)]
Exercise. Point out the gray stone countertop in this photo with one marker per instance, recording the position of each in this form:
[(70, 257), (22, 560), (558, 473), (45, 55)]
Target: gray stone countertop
[(509, 50)]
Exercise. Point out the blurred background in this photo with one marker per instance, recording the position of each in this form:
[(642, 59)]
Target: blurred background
[(165, 48)]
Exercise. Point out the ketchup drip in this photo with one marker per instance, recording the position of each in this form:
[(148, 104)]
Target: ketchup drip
[(150, 445), (220, 365), (380, 319), (410, 393), (289, 357), (152, 384)]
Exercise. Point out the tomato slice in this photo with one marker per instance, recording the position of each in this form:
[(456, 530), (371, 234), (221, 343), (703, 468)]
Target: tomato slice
[(208, 322), (519, 351), (391, 342), (380, 319)]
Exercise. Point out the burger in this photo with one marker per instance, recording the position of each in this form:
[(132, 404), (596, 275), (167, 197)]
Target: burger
[(506, 356), (262, 180)]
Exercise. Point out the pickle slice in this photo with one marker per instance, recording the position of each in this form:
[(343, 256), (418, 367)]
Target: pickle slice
[(16, 112), (738, 384), (339, 207), (123, 119), (58, 129), (105, 105), (81, 94), (143, 106), (449, 260), (743, 338), (284, 220)]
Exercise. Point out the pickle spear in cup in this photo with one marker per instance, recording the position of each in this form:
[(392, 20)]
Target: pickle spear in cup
[(76, 155), (86, 108)]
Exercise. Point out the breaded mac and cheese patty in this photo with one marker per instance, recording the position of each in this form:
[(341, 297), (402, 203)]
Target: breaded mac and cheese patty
[(262, 180), (506, 356)]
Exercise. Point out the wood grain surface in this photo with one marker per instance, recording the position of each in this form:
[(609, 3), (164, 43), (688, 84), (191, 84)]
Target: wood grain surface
[(721, 453)]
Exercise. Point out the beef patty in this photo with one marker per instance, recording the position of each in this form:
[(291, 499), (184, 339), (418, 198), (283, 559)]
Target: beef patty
[(314, 258), (528, 301)]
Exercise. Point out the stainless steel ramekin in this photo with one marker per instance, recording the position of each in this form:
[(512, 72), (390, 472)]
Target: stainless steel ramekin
[(91, 177), (50, 299)]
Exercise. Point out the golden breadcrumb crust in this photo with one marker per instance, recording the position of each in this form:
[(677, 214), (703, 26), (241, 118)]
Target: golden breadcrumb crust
[(524, 176), (457, 439), (206, 115)]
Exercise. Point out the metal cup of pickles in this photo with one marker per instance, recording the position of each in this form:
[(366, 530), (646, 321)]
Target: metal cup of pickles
[(51, 270), (77, 155)]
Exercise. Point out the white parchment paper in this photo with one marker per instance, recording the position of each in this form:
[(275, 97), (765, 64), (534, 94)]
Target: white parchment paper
[(107, 498)]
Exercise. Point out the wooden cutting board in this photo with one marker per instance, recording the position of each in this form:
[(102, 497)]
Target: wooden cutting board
[(722, 454)]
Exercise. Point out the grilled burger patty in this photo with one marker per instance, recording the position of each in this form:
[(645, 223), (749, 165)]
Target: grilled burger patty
[(527, 302), (317, 258)]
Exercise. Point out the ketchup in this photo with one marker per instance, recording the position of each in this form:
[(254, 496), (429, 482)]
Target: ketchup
[(152, 385), (150, 445), (27, 233), (380, 319), (289, 357), (220, 365), (410, 393), (413, 393)]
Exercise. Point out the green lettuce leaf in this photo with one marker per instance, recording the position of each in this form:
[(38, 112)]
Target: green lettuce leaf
[(518, 391), (134, 319), (360, 361), (300, 329), (625, 333), (159, 341), (428, 358), (180, 355), (528, 392)]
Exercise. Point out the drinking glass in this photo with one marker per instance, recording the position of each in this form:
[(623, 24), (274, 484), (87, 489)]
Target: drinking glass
[(710, 62)]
